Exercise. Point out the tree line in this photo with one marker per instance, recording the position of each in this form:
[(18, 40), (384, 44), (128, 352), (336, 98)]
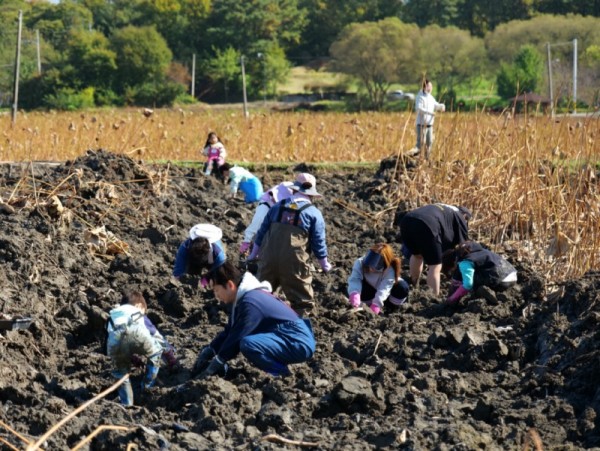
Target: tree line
[(139, 52)]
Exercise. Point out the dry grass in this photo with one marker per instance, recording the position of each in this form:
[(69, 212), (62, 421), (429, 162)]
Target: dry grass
[(531, 181)]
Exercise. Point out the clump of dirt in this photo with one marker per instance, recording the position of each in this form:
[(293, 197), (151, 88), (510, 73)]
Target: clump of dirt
[(482, 375)]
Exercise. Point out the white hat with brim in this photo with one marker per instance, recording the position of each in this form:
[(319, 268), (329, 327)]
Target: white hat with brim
[(306, 184), (209, 231)]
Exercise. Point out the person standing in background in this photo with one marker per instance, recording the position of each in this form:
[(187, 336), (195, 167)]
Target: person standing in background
[(425, 107)]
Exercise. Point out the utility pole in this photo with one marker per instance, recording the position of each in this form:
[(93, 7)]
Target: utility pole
[(17, 65), (261, 57), (194, 75), (39, 59), (550, 80), (244, 86), (575, 75)]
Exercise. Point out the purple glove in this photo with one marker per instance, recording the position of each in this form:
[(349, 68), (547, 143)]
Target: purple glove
[(375, 309), (254, 254), (457, 295), (354, 299), (325, 265), (244, 247), (204, 282)]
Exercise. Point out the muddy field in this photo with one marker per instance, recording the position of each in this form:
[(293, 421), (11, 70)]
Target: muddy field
[(518, 370)]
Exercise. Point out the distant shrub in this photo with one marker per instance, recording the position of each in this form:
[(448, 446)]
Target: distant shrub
[(68, 99), (154, 94), (107, 97)]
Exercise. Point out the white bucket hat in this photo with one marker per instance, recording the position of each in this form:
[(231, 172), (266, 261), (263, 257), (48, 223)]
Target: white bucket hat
[(209, 231)]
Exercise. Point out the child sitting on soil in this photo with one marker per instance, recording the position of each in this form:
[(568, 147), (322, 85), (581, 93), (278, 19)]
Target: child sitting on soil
[(267, 200), (376, 278), (240, 178), (129, 336), (474, 266), (261, 326), (201, 253), (215, 152)]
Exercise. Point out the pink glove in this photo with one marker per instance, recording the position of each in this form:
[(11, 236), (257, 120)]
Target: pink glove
[(325, 265), (244, 247), (354, 299), (375, 309), (254, 254), (204, 282), (457, 295)]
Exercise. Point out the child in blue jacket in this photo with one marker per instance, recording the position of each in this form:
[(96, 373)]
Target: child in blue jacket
[(201, 253)]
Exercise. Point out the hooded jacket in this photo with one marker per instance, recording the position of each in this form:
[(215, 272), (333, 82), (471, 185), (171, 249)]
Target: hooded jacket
[(254, 311)]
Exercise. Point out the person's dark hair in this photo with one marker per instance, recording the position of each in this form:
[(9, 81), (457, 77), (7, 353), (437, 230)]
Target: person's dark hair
[(137, 298), (224, 273), (198, 253), (451, 257), (210, 135), (425, 83), (224, 167)]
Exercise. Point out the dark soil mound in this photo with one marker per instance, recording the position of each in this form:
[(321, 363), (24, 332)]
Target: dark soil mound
[(492, 373)]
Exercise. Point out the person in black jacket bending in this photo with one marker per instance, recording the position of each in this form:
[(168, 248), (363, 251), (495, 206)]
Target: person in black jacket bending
[(427, 232)]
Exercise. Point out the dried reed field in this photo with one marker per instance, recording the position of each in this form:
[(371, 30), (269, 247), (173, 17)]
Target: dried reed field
[(532, 182)]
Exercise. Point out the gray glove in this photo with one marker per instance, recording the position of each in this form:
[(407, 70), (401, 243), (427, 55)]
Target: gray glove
[(216, 367), (203, 359)]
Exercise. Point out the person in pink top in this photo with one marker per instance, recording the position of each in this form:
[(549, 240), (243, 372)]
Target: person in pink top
[(215, 153)]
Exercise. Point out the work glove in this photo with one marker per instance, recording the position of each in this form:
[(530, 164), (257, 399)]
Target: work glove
[(169, 357), (202, 360), (244, 247), (354, 299), (460, 292), (216, 367), (325, 265), (204, 282), (150, 376), (254, 254)]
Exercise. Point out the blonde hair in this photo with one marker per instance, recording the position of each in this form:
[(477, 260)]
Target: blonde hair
[(389, 258)]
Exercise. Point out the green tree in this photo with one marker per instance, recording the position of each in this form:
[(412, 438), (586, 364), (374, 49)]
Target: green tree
[(377, 53), (449, 56), (142, 56), (327, 18), (224, 68), (438, 12), (89, 53), (524, 75), (505, 41), (249, 24)]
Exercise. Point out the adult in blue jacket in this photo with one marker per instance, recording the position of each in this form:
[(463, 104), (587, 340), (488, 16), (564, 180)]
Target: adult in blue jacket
[(201, 253), (291, 230), (427, 232), (261, 326)]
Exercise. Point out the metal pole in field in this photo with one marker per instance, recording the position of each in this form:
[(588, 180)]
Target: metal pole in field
[(244, 86), (575, 75), (17, 65), (194, 75), (39, 59), (550, 79)]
